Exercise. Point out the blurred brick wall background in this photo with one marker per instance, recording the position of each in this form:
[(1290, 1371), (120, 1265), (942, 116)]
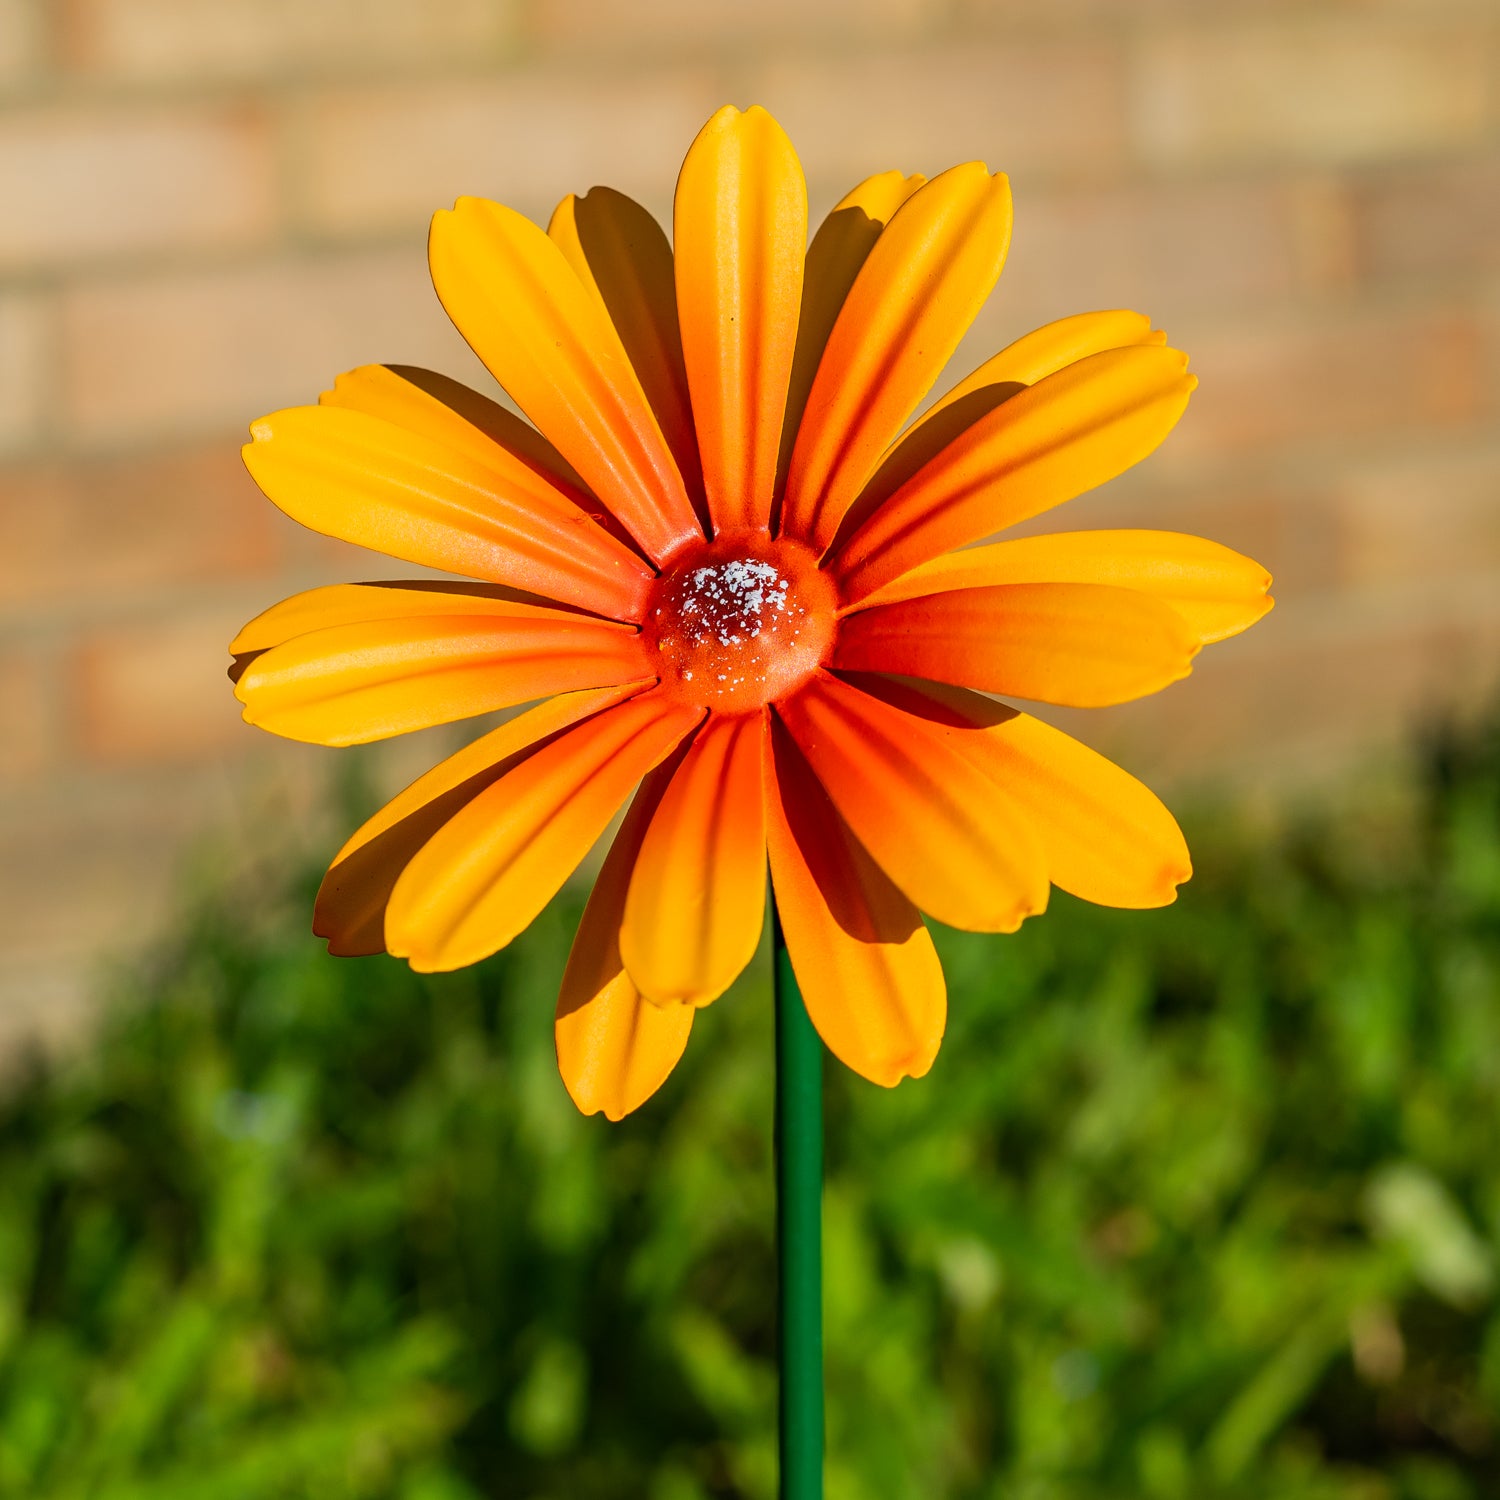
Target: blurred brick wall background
[(208, 208)]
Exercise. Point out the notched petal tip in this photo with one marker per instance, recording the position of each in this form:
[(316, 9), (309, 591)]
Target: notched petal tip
[(1163, 891), (699, 999), (431, 964), (726, 113), (1025, 910), (890, 1072), (731, 118), (466, 203)]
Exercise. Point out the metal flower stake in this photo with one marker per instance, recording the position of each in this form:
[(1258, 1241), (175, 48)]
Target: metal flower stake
[(736, 578)]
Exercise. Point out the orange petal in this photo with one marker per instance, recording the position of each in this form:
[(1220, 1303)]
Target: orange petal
[(359, 603), (953, 841), (865, 964), (740, 231), (1216, 591), (1030, 359), (449, 412), (1082, 644), (405, 493), (916, 294), (839, 248), (1046, 350), (614, 1047), (698, 895), (483, 876), (1069, 432), (350, 909), (621, 254), (404, 667), (1106, 837), (549, 341)]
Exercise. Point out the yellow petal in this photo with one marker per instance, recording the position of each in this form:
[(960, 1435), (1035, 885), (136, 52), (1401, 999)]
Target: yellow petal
[(1081, 644), (549, 341), (915, 296), (697, 898), (1218, 592), (614, 1047), (621, 254), (951, 839), (483, 876), (1040, 353), (1106, 837), (740, 233), (401, 668), (864, 961), (366, 480), (350, 909), (1064, 435), (838, 250)]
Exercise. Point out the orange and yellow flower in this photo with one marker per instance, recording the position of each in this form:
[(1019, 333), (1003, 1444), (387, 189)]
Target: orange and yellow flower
[(721, 558)]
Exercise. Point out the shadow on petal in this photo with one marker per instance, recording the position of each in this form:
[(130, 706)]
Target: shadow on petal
[(520, 439), (351, 902), (920, 445)]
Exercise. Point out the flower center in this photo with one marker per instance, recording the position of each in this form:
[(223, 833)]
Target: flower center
[(738, 623)]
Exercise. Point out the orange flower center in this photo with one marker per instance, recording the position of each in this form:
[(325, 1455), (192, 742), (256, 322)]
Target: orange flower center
[(740, 622)]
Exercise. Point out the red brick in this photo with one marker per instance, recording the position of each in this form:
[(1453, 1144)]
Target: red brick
[(25, 368), (1153, 247), (1013, 15), (216, 348), (156, 692), (69, 887), (26, 714), (1290, 525), (22, 42), (630, 25), (91, 182), (1310, 686), (1051, 106), (1002, 16), (1327, 251), (387, 158), (1431, 516), (1328, 381), (1175, 251), (90, 869), (1354, 88), (1490, 328), (91, 532), (93, 872), (1439, 220), (199, 40)]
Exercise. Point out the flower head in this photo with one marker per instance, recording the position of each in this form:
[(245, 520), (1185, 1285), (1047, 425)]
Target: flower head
[(736, 579)]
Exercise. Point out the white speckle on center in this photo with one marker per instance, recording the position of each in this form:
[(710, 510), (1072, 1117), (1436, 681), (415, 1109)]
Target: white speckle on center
[(732, 598), (739, 630)]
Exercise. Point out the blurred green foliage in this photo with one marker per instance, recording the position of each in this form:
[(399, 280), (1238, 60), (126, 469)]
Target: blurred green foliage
[(1196, 1203)]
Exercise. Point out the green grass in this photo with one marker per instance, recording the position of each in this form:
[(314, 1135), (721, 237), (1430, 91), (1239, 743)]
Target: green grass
[(1197, 1203)]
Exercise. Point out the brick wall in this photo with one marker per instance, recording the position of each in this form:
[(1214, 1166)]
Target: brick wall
[(210, 207)]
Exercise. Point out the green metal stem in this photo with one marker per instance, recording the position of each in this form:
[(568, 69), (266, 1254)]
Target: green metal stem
[(799, 1231)]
